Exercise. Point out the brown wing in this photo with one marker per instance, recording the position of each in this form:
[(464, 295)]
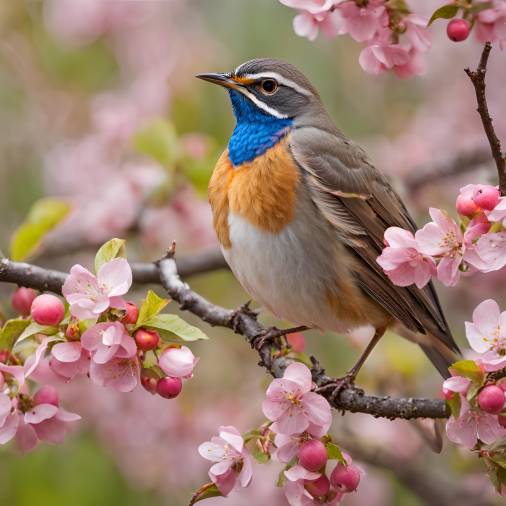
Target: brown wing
[(358, 200)]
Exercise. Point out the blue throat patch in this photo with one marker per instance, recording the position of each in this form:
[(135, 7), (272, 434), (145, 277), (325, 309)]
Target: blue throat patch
[(255, 131)]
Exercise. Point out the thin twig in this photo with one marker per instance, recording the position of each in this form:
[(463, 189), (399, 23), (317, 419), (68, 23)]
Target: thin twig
[(478, 79), (243, 322)]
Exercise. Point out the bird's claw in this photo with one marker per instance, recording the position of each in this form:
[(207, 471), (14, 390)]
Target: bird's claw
[(269, 335), (244, 309), (338, 385)]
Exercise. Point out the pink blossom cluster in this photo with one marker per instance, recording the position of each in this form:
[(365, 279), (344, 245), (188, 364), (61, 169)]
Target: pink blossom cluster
[(100, 338), (395, 38), (296, 436), (446, 249), (476, 395)]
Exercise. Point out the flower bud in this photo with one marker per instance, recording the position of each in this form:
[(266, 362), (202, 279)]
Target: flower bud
[(319, 487), (132, 313), (46, 395), (491, 399), (313, 455), (22, 299), (458, 29), (149, 381), (345, 478), (177, 362), (466, 206), (147, 339), (169, 387), (486, 196), (47, 309)]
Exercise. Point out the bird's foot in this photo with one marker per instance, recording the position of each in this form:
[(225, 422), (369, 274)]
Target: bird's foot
[(245, 309), (271, 334), (337, 385)]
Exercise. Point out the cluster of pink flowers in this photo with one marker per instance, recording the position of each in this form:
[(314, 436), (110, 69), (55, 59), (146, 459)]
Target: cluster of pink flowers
[(102, 337), (476, 395), (296, 436), (446, 249), (395, 38)]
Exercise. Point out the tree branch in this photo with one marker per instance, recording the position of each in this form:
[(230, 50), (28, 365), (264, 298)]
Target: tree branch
[(478, 79), (243, 322)]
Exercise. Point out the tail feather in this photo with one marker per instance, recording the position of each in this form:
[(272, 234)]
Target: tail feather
[(442, 358)]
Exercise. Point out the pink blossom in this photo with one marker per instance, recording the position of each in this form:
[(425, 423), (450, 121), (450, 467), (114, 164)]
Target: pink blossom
[(456, 384), (69, 359), (292, 406), (307, 25), (489, 252), (311, 6), (8, 419), (402, 261), (297, 495), (108, 340), (473, 424), (487, 335), (122, 374), (232, 460), (363, 23), (90, 295), (378, 58), (178, 362), (499, 212), (442, 238), (491, 23), (287, 446)]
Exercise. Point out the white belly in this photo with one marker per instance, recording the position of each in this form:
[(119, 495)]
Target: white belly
[(288, 272)]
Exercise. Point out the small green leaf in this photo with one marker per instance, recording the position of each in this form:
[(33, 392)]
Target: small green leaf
[(175, 325), (35, 328), (454, 405), (445, 12), (109, 251), (473, 390), (334, 452), (158, 141), (205, 492), (10, 332), (44, 215), (281, 479), (468, 369), (150, 308)]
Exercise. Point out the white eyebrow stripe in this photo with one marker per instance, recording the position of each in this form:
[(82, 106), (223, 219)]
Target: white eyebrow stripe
[(281, 80), (262, 105)]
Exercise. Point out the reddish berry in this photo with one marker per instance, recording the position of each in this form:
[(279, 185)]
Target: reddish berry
[(22, 300), (47, 309), (345, 478), (458, 30), (132, 313), (169, 387), (486, 196), (46, 395), (147, 339), (319, 487), (491, 399), (502, 421), (296, 341), (313, 455), (149, 383), (466, 206)]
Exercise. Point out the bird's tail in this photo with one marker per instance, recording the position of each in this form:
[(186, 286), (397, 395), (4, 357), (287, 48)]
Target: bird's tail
[(440, 355)]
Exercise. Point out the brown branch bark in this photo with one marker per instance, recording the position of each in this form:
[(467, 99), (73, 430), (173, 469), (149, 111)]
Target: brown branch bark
[(478, 79), (243, 322)]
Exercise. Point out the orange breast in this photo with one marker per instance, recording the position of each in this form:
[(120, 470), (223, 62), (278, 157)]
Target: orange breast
[(263, 191)]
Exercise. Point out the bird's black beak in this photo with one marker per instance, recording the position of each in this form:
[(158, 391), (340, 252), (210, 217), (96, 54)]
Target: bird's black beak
[(225, 80)]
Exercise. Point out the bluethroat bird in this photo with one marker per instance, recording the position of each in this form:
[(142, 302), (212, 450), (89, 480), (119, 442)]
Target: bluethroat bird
[(300, 213)]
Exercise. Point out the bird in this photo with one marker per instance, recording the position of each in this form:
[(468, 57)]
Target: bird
[(300, 213)]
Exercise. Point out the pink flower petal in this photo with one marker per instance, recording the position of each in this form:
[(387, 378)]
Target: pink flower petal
[(67, 352), (298, 472), (300, 374), (40, 413), (116, 277)]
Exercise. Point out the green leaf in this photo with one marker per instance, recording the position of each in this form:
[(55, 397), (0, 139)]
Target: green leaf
[(445, 12), (150, 308), (205, 492), (44, 215), (158, 141), (454, 405), (35, 328), (334, 452), (281, 478), (109, 251), (468, 369), (175, 325), (10, 332), (473, 390)]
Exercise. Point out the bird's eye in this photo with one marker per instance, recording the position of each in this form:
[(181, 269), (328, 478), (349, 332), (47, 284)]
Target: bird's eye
[(268, 86)]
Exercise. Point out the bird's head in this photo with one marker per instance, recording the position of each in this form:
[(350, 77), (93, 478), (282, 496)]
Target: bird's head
[(266, 87)]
